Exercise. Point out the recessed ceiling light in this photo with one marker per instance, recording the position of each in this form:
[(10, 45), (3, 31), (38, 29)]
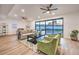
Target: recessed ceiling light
[(15, 15), (22, 10)]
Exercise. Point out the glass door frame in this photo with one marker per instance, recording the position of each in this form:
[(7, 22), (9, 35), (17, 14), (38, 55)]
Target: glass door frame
[(53, 24)]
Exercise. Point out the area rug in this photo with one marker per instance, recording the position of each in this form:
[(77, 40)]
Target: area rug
[(31, 46)]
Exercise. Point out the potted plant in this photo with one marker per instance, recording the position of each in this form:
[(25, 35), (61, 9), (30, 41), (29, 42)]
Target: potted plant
[(74, 35)]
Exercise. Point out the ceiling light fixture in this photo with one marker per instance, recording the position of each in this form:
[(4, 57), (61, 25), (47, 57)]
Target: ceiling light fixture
[(22, 10), (48, 12)]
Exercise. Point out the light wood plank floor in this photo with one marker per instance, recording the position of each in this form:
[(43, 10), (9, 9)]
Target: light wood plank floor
[(9, 45), (69, 47)]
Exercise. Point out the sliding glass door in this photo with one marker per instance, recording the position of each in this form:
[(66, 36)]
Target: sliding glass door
[(53, 26), (58, 26), (49, 27), (37, 26), (42, 27)]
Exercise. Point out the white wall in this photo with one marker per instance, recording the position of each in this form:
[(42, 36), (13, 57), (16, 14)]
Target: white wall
[(32, 26), (71, 22), (10, 22)]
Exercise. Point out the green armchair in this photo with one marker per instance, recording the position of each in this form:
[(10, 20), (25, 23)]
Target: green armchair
[(49, 44)]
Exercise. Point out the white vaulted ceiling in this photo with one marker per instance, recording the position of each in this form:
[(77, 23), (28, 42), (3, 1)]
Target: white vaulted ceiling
[(32, 11), (5, 9)]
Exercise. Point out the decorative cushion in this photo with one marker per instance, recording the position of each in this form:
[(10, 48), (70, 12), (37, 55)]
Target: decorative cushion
[(45, 41)]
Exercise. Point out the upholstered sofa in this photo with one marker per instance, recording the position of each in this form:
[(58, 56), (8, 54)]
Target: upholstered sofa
[(22, 33)]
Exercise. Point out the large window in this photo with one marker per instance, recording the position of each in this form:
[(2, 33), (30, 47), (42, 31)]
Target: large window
[(58, 26), (52, 26), (49, 27), (37, 26), (42, 27)]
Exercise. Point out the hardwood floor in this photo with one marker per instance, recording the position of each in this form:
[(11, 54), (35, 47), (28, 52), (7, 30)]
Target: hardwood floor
[(69, 47), (9, 45)]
